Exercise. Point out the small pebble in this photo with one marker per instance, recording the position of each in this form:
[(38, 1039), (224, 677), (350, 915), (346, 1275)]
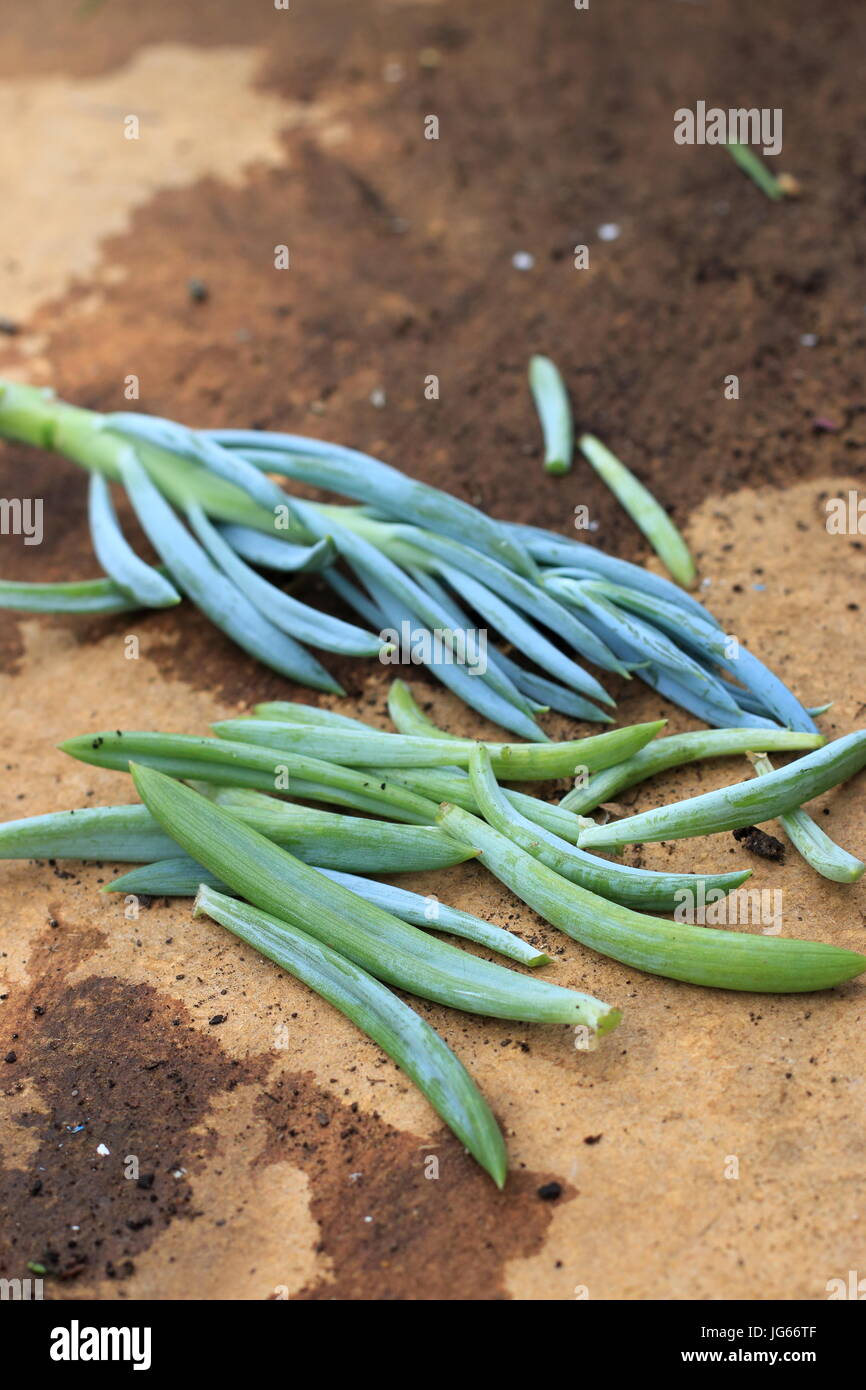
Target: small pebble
[(549, 1191), (808, 339), (378, 398), (522, 260), (609, 231)]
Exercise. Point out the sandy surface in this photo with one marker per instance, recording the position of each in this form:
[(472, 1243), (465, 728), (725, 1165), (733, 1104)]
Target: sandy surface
[(277, 1153)]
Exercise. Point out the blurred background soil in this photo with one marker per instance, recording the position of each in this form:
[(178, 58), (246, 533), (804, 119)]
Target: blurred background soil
[(279, 1154)]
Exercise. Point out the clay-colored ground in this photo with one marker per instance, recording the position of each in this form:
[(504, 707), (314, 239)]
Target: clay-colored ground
[(279, 1154)]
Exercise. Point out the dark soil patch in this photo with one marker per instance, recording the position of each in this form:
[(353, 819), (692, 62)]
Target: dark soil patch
[(105, 1062), (400, 1219), (759, 842)]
